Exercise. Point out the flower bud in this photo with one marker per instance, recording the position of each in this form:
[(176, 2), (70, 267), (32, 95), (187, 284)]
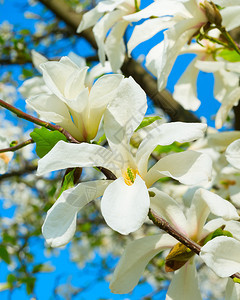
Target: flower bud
[(212, 13)]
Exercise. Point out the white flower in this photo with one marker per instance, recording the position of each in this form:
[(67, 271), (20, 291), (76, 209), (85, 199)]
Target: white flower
[(185, 91), (233, 154), (125, 201), (183, 18), (5, 157), (138, 253), (62, 97), (230, 13), (112, 13)]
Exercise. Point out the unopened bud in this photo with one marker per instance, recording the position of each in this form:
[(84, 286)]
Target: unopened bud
[(212, 13)]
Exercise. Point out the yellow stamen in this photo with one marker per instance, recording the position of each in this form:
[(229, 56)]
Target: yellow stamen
[(4, 157), (130, 176)]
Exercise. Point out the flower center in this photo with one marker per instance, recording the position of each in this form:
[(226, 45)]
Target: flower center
[(4, 157), (130, 176)]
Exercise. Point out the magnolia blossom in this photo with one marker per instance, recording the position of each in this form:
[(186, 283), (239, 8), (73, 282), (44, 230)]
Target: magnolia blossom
[(138, 253), (112, 14), (183, 18), (221, 253), (185, 90), (5, 157), (125, 202), (230, 13), (65, 99)]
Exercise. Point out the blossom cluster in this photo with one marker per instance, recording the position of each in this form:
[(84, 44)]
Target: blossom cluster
[(100, 118)]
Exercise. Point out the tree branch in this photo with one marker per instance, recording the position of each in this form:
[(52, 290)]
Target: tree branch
[(18, 146), (37, 121), (130, 67)]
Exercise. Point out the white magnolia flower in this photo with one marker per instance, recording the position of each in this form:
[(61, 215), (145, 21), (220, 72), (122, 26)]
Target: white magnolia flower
[(125, 202), (111, 14), (62, 97), (139, 252), (183, 18), (221, 253), (185, 90), (4, 157)]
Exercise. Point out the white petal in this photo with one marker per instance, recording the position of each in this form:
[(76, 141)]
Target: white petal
[(221, 254), (202, 204), (188, 167), (233, 154), (60, 223), (184, 285), (232, 290), (33, 86), (38, 59), (174, 39), (124, 114), (115, 47), (209, 66), (67, 155), (101, 29), (89, 19), (134, 260), (228, 102), (166, 134), (125, 207), (169, 209), (147, 30), (154, 58), (96, 72), (185, 90), (223, 139), (230, 16)]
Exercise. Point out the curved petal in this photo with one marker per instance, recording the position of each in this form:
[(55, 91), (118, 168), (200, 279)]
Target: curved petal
[(134, 260), (232, 290), (202, 204), (125, 207), (230, 16), (188, 167), (221, 254), (124, 114), (184, 285), (230, 100), (233, 154), (166, 134), (169, 209), (38, 59), (114, 45), (147, 30), (33, 86), (89, 19), (101, 29), (60, 223), (67, 155), (185, 90), (154, 58), (174, 39)]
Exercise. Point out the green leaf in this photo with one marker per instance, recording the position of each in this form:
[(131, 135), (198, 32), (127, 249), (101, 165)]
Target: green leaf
[(174, 147), (229, 55), (147, 121), (217, 232), (68, 182), (4, 254), (45, 140), (11, 279)]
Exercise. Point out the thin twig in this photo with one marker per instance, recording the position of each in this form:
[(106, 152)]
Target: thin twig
[(37, 121), (18, 146)]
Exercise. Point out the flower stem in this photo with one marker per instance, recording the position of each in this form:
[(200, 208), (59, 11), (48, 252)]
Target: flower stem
[(230, 40)]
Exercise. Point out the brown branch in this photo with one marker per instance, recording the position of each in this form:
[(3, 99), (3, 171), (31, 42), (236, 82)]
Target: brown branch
[(37, 121), (130, 67), (28, 169), (164, 225), (18, 146)]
